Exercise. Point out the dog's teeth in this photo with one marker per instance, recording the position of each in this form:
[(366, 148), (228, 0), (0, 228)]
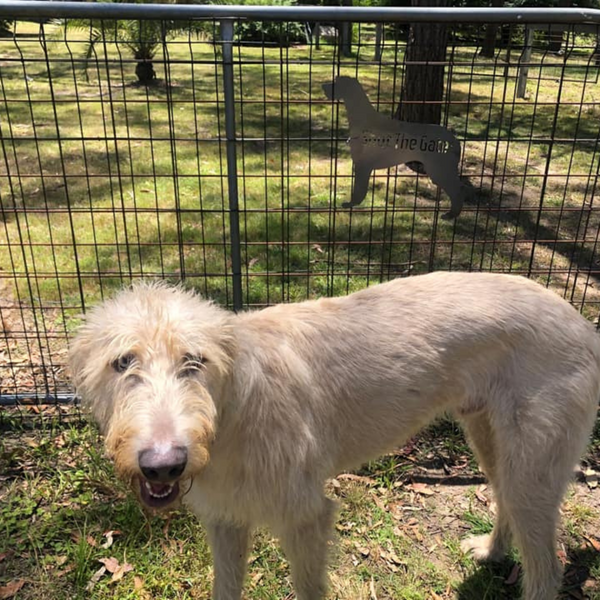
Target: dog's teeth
[(168, 490)]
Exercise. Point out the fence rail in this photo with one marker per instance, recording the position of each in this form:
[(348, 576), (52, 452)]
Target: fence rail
[(23, 9), (197, 143)]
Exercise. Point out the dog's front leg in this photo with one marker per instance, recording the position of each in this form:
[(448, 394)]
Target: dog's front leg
[(229, 545), (305, 545)]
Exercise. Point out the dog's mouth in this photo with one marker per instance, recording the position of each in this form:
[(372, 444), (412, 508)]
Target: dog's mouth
[(158, 495)]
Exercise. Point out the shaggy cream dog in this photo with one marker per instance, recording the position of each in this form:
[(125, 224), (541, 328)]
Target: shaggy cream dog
[(251, 413)]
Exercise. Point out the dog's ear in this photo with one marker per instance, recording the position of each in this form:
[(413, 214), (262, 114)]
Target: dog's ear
[(221, 343), (85, 368), (79, 351)]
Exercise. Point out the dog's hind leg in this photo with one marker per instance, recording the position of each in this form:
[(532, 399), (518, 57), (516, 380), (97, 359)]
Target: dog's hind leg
[(229, 545), (533, 505), (492, 547), (535, 463), (305, 545), (539, 451)]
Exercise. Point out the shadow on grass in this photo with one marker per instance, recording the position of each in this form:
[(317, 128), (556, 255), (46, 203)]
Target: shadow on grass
[(489, 581), (157, 150)]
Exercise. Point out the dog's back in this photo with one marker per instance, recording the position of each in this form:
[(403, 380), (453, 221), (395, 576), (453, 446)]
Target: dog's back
[(402, 352)]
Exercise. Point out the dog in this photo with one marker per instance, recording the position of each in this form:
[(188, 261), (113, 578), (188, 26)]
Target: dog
[(378, 142), (244, 417)]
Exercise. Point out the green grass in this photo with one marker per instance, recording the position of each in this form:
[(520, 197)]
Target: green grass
[(167, 193), (60, 504)]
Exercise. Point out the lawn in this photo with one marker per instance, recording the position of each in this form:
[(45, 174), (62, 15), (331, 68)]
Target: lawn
[(70, 530), (108, 180), (104, 181)]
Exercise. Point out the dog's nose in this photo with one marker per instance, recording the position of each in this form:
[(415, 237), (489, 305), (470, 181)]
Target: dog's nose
[(163, 466)]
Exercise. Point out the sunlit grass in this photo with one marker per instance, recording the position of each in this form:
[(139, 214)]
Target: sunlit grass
[(146, 193)]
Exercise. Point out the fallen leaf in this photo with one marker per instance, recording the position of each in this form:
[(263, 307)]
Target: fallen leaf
[(9, 590), (595, 544), (364, 551), (121, 570), (95, 578), (64, 571), (380, 503), (138, 583), (562, 557), (111, 564), (109, 535), (91, 541), (513, 577), (421, 488), (3, 555)]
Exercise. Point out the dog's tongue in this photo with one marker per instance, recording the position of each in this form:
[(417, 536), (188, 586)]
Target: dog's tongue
[(160, 488)]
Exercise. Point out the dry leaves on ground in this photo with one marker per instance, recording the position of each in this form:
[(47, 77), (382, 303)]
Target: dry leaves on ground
[(9, 590)]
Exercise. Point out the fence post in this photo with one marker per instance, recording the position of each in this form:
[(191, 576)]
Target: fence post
[(525, 60), (232, 175), (378, 41)]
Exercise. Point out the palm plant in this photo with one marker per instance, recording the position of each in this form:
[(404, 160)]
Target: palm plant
[(142, 39)]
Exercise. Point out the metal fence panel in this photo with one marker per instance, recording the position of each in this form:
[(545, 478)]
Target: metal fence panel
[(229, 169)]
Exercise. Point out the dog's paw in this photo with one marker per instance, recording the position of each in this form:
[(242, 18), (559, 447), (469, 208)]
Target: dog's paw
[(482, 549)]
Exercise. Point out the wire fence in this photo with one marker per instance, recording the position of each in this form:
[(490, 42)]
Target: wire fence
[(205, 150)]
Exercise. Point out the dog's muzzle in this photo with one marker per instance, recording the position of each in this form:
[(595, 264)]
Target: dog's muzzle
[(161, 470)]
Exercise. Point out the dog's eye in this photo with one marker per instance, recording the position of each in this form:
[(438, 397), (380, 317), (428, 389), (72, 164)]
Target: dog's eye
[(192, 363), (123, 362)]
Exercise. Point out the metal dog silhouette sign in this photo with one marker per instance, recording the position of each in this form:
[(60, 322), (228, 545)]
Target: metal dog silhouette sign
[(378, 142)]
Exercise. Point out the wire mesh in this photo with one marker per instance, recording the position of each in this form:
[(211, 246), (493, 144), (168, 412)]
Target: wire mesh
[(117, 165)]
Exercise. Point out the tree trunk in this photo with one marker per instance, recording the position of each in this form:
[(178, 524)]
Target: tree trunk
[(145, 72), (346, 33), (423, 86), (556, 37), (488, 46)]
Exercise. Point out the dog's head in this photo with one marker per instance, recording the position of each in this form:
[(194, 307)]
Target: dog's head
[(151, 365)]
